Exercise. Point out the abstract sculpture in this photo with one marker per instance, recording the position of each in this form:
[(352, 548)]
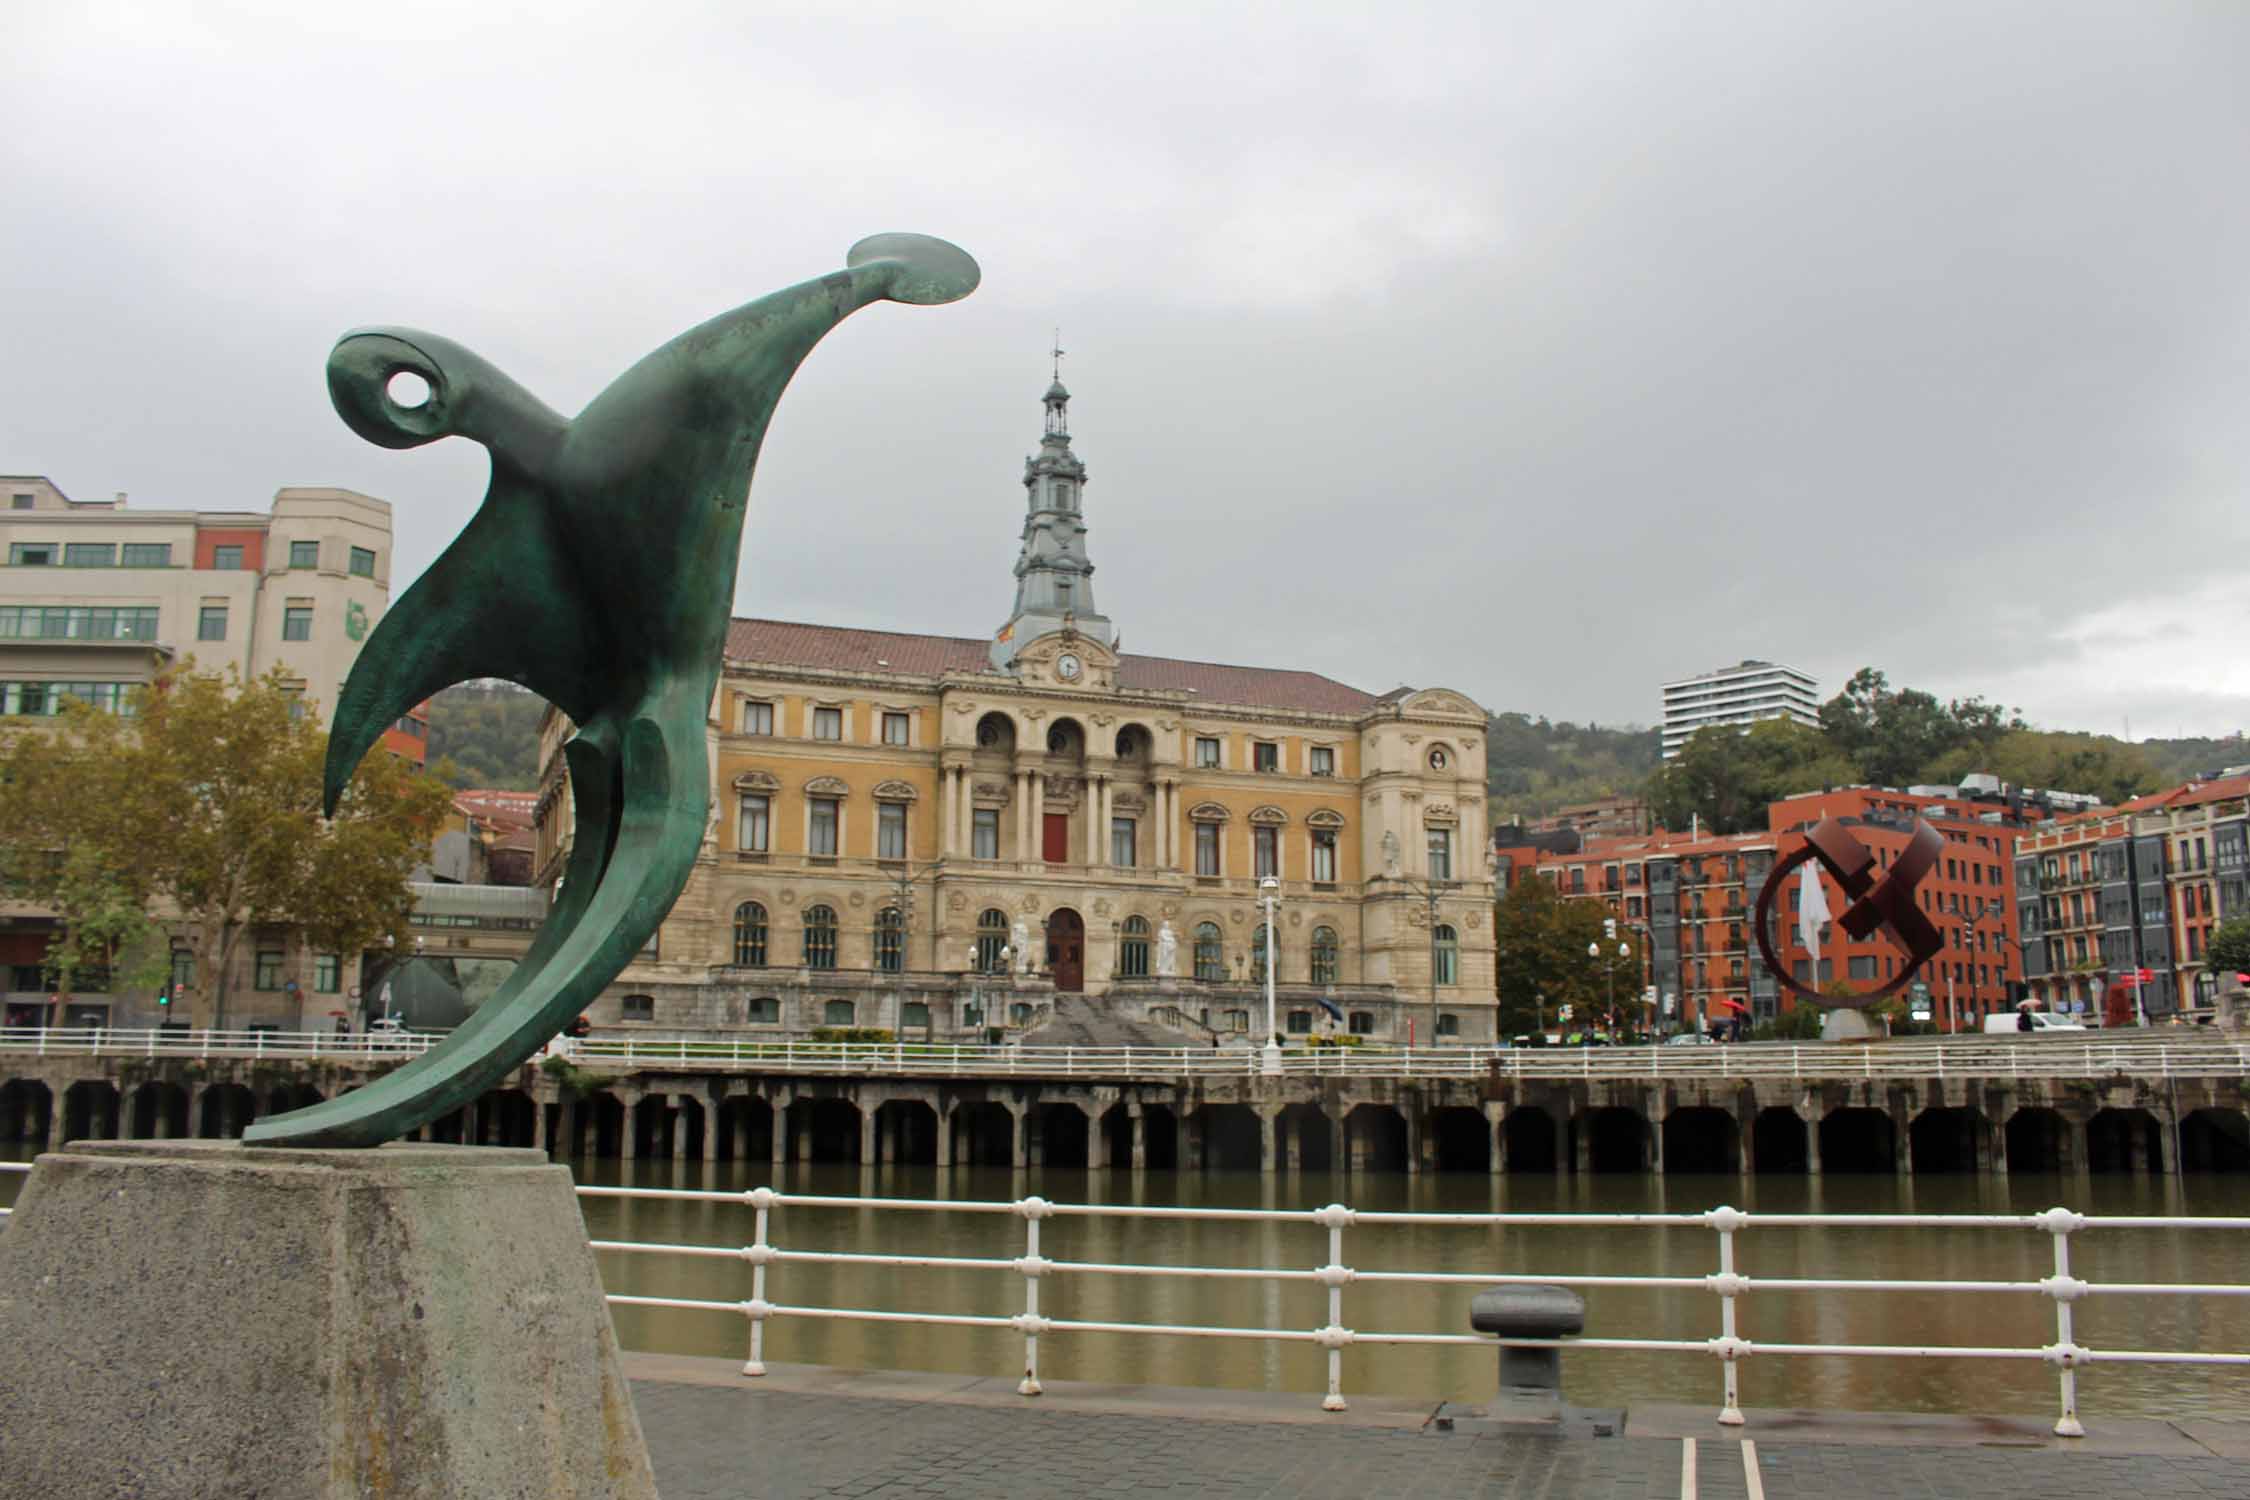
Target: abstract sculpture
[(599, 573), (1888, 903)]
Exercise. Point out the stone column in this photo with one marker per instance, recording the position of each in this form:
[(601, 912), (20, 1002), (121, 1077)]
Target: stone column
[(1191, 1142), (1496, 1123), (1652, 1154), (947, 794), (1582, 1143), (944, 1135), (894, 1136), (1037, 854), (632, 1126), (538, 1124), (1019, 1137), (2073, 1145), (778, 1108), (1139, 1147), (1812, 1146), (1336, 1158), (802, 1147), (1418, 1137), (714, 1110), (2165, 1154), (1992, 1145), (1902, 1145), (1355, 1144), (869, 1145), (1746, 1138), (1108, 807), (1097, 1141), (1034, 1138), (1023, 817), (1269, 1143), (1160, 803), (1292, 1143), (678, 1132)]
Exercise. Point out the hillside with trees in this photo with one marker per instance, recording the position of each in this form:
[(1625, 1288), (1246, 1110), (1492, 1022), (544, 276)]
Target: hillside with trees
[(488, 732), (1534, 766)]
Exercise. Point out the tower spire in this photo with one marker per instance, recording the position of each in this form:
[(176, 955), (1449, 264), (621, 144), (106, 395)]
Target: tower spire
[(1054, 577)]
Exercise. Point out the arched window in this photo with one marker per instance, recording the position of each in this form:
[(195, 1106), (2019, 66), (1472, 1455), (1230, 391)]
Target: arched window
[(890, 940), (1448, 955), (1324, 955), (1258, 955), (750, 935), (820, 937), (836, 1013), (1210, 961), (1132, 949), (1063, 739), (992, 936)]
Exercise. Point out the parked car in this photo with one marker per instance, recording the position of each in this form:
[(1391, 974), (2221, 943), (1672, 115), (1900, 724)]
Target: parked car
[(2043, 1023)]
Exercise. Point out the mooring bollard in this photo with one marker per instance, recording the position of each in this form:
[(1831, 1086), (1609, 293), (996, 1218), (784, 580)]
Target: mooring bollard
[(1530, 1379)]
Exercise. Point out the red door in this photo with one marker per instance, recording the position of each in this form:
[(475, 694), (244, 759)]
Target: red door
[(1057, 839), (1066, 949)]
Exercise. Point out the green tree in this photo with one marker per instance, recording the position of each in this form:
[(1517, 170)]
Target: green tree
[(485, 734), (2229, 952), (2106, 768), (1725, 776), (1543, 963), (1897, 737), (203, 805)]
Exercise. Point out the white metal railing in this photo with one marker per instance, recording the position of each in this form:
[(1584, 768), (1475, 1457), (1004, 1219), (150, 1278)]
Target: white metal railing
[(2034, 1057), (12, 1166), (762, 1254)]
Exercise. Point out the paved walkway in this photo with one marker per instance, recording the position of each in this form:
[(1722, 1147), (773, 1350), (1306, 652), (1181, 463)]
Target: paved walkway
[(804, 1431)]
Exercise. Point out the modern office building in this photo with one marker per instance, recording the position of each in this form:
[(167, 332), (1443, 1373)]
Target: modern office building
[(1741, 694)]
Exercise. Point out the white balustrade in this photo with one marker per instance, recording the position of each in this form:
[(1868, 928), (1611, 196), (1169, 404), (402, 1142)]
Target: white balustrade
[(1728, 1285)]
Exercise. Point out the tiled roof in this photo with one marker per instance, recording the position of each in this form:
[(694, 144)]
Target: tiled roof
[(840, 648)]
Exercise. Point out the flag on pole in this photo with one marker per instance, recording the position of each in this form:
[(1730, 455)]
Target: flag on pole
[(1812, 912)]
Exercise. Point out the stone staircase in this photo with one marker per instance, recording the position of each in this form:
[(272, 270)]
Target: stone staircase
[(1080, 1022)]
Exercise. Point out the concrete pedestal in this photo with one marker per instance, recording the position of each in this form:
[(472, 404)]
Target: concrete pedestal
[(196, 1318), (1847, 1024)]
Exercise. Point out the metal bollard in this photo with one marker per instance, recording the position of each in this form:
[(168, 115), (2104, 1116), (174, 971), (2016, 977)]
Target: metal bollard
[(1530, 1379)]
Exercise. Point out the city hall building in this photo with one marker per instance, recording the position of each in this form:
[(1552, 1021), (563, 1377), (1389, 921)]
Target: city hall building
[(936, 835)]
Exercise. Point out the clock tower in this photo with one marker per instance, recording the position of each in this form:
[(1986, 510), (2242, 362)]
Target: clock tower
[(1054, 578)]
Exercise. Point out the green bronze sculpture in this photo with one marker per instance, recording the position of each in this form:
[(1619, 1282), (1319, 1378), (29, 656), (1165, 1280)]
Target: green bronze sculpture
[(599, 573)]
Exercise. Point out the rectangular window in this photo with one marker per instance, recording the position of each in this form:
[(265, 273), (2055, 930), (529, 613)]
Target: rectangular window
[(1206, 752), (1206, 848), (637, 1008), (363, 562), (211, 623), (1121, 852), (757, 718), (31, 554), (1265, 756), (984, 833), (755, 835), (1265, 843), (21, 501), (268, 975), (1323, 761), (890, 830), (183, 969), (148, 554), (894, 729), (77, 622), (304, 554), (1324, 856), (328, 973), (825, 812), (1441, 854), (827, 723), (296, 622), (765, 1011), (226, 559), (90, 555)]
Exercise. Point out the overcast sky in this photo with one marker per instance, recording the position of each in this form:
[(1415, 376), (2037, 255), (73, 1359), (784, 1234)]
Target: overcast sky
[(1542, 351)]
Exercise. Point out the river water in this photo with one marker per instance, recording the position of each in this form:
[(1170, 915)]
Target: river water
[(2214, 1324)]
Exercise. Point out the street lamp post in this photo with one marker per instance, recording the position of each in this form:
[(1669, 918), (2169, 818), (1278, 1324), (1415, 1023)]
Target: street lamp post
[(1270, 889), (1609, 975)]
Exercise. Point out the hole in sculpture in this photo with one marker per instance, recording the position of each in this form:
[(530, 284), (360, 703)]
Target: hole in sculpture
[(408, 389)]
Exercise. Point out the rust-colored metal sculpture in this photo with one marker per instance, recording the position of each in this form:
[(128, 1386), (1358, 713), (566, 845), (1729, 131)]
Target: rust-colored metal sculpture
[(1887, 902)]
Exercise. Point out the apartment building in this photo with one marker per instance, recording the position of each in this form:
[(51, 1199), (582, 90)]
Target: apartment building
[(1741, 694)]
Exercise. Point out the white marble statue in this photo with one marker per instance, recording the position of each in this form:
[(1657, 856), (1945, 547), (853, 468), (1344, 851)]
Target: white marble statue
[(1019, 938), (1167, 952), (1390, 852)]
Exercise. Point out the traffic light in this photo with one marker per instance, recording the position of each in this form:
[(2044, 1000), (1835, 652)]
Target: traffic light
[(164, 998)]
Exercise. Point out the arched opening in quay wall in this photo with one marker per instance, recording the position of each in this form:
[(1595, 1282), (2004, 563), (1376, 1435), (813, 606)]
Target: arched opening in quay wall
[(1778, 1141), (157, 1109), (228, 1109), (1701, 1138), (906, 1132), (745, 1124), (598, 1126), (2037, 1139), (1529, 1132), (1062, 1135), (90, 1109), (1160, 1136), (2215, 1140), (1310, 1135), (824, 1131), (1613, 1139), (1858, 1139), (1233, 1140), (26, 1107), (1944, 1140), (1461, 1138), (2124, 1140), (984, 1135), (1376, 1138), (506, 1117)]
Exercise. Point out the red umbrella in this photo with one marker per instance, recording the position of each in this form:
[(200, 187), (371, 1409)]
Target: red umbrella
[(1735, 1005)]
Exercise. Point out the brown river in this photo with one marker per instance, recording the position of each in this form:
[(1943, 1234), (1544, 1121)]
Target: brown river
[(2212, 1324)]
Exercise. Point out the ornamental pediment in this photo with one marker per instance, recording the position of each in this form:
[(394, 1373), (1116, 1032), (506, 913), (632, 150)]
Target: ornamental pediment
[(757, 781), (827, 786), (896, 791), (1208, 812), (1268, 816), (1324, 818)]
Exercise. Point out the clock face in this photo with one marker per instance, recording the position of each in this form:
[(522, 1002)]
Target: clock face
[(1067, 667)]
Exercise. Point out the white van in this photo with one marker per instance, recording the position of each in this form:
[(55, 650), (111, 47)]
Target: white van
[(2043, 1023)]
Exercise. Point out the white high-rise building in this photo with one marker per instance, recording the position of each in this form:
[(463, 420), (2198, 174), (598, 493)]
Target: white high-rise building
[(1741, 694)]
